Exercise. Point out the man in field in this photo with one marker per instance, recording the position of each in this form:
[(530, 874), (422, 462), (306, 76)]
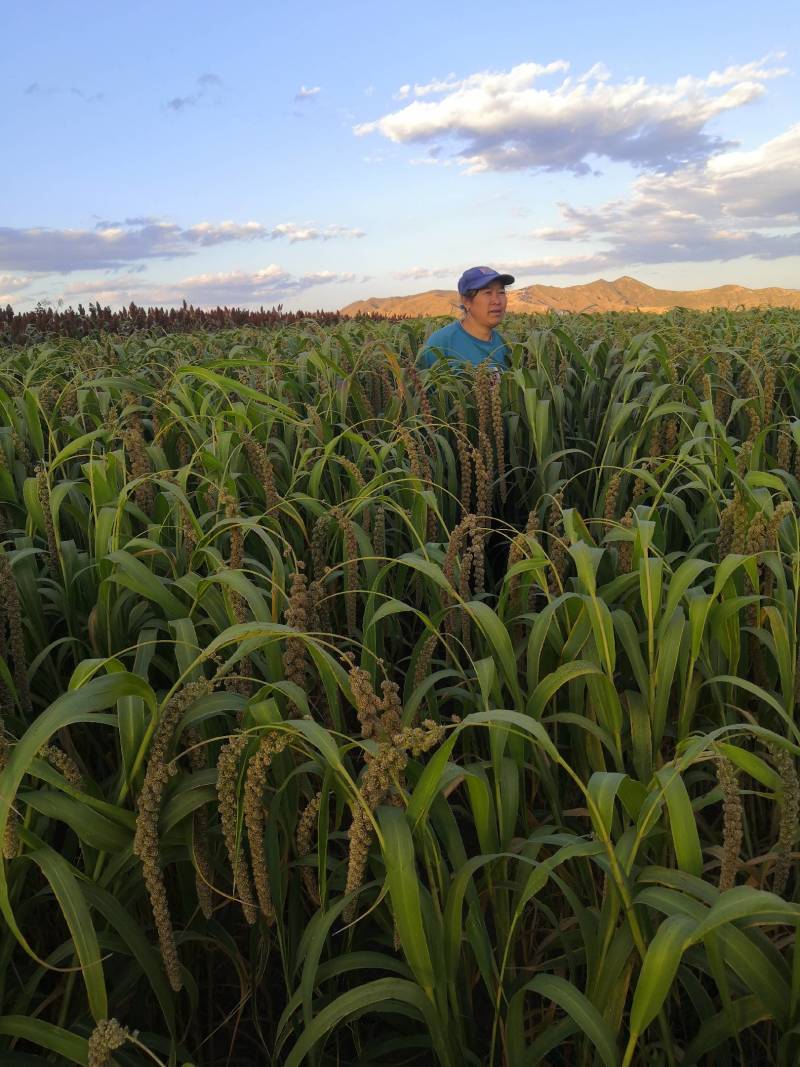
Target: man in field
[(474, 338)]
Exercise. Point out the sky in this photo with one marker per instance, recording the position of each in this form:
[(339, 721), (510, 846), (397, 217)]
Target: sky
[(314, 154)]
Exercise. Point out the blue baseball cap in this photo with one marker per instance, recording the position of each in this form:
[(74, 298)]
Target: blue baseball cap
[(480, 277)]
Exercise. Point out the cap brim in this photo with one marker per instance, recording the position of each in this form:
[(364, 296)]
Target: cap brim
[(504, 279)]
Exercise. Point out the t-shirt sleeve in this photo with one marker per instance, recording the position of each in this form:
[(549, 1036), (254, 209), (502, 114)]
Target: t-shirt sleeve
[(430, 350)]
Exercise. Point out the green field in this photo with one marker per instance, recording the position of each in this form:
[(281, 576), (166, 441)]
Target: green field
[(357, 715)]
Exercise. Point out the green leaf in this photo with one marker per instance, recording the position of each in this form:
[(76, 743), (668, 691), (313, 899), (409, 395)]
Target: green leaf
[(658, 971), (90, 826), (66, 889), (752, 764), (73, 707), (745, 902), (603, 788), (577, 1005), (741, 1014), (551, 683), (378, 995), (499, 642), (669, 646), (682, 821), (133, 574), (46, 1035), (134, 937), (759, 692), (587, 559), (404, 892)]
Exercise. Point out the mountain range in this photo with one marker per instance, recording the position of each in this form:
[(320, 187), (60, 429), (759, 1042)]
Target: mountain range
[(622, 294)]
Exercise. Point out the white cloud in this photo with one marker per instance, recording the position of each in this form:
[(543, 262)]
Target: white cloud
[(324, 277), (579, 264), (10, 285), (112, 245), (232, 288), (293, 233), (307, 94), (440, 86), (430, 161), (518, 76), (214, 233), (506, 121), (11, 282), (519, 268), (758, 70), (734, 205), (424, 272)]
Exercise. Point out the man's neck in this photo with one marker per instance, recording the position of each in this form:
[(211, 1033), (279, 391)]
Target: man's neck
[(482, 333)]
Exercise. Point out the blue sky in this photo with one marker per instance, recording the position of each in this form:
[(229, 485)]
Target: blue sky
[(249, 154)]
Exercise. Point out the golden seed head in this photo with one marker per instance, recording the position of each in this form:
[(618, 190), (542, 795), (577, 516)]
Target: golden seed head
[(271, 743), (482, 462), (559, 557), (625, 548), (789, 806), (136, 450), (227, 795), (732, 822), (203, 877), (498, 431), (670, 434), (612, 496), (107, 1036), (304, 839), (391, 707), (741, 524), (757, 533), (379, 536), (384, 770), (10, 606), (146, 837), (783, 451), (464, 459), (59, 759), (318, 546), (782, 511), (188, 532), (350, 545), (725, 535), (656, 447), (367, 703), (263, 470), (423, 664), (10, 842)]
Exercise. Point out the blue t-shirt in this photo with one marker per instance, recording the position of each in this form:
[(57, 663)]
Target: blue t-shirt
[(460, 346)]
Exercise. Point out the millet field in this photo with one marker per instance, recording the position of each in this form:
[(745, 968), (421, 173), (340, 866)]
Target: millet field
[(358, 715)]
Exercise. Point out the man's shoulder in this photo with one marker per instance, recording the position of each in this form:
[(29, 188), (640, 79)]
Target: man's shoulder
[(445, 339), (443, 334)]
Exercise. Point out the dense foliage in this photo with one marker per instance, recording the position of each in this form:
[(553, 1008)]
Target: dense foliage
[(361, 715), (46, 322)]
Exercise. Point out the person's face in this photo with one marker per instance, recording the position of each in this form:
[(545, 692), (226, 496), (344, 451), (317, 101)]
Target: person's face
[(488, 306)]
